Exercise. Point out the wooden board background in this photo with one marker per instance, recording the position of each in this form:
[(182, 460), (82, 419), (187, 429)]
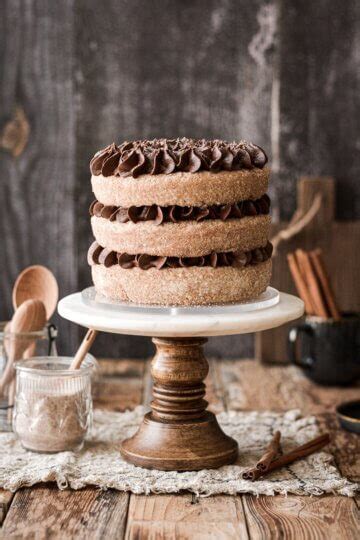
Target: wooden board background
[(82, 74)]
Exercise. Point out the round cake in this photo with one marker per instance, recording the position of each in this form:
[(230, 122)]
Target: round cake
[(180, 222)]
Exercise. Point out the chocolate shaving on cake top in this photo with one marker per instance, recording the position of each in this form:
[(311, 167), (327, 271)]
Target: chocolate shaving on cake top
[(166, 156)]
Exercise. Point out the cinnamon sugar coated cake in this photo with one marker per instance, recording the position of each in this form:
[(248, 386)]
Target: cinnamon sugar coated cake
[(180, 222)]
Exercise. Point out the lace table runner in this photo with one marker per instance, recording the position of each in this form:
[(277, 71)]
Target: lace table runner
[(100, 464)]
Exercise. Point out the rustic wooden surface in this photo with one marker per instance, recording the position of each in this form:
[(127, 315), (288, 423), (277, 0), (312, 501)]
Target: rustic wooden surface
[(77, 75), (44, 512)]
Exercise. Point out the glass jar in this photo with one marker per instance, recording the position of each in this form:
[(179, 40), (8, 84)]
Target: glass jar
[(90, 361), (53, 405), (22, 345)]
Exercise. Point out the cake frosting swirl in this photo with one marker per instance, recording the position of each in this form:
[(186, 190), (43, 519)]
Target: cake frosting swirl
[(166, 156), (176, 213), (99, 255)]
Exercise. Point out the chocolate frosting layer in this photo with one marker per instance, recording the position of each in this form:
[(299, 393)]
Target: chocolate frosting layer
[(99, 255), (166, 156), (175, 214)]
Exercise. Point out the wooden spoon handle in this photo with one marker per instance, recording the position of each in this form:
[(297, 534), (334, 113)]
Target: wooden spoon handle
[(30, 351), (83, 349)]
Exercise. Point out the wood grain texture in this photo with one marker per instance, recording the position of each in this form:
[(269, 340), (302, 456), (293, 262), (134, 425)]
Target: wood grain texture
[(300, 518), (37, 222), (126, 368), (46, 512), (121, 385), (184, 516), (318, 100), (179, 434)]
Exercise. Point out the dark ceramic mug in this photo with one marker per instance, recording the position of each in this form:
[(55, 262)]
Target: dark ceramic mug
[(327, 350)]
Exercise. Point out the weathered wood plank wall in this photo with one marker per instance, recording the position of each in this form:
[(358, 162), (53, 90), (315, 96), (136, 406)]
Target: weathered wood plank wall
[(284, 74), (318, 126), (37, 218)]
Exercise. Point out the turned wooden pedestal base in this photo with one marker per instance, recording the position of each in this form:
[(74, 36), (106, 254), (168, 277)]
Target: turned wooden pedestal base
[(179, 434)]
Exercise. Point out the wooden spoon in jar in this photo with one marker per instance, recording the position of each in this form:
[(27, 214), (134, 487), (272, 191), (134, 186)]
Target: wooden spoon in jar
[(29, 317), (83, 349), (36, 283), (39, 283)]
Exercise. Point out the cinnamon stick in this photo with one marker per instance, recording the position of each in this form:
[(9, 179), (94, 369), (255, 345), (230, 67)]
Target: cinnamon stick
[(312, 284), (323, 278), (298, 453), (270, 454), (300, 284), (313, 442)]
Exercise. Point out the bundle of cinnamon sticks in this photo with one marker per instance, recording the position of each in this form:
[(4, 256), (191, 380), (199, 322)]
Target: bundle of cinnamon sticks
[(271, 460), (313, 284)]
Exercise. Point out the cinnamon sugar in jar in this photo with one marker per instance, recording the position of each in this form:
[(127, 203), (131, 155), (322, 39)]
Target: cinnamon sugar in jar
[(53, 405)]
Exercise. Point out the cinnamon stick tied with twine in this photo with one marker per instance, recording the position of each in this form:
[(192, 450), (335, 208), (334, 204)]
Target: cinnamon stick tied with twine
[(298, 453), (270, 454)]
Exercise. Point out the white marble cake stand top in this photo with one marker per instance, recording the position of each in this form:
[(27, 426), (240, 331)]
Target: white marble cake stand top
[(86, 310)]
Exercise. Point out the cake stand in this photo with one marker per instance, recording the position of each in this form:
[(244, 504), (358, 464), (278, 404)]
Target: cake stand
[(180, 433)]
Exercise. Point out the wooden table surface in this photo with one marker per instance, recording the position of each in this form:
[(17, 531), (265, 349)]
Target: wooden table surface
[(45, 512)]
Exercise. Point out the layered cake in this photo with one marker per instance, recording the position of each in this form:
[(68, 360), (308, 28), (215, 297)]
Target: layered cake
[(180, 222)]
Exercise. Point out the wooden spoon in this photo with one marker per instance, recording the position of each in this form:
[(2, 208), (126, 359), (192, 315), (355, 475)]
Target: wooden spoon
[(29, 317), (36, 283), (83, 349)]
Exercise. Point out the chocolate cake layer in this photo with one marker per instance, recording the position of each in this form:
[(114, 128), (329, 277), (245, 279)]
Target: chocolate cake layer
[(182, 286), (182, 188), (184, 239), (176, 214)]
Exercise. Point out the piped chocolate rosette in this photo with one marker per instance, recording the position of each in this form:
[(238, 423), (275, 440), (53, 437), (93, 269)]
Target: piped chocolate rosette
[(180, 222)]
